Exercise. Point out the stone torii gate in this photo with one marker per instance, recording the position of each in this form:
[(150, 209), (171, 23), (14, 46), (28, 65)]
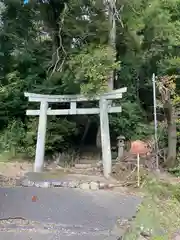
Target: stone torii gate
[(103, 110)]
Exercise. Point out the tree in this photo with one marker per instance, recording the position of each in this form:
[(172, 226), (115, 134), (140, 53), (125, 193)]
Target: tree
[(72, 46), (167, 91)]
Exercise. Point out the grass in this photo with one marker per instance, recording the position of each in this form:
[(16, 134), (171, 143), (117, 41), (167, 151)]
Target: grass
[(159, 214), (8, 157)]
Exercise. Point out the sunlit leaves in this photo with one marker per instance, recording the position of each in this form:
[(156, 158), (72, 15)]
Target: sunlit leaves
[(92, 67)]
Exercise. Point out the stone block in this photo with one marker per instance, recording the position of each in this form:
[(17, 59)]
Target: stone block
[(45, 184), (73, 184), (102, 185), (94, 186), (56, 184), (82, 166), (84, 186), (27, 183), (64, 184), (40, 184)]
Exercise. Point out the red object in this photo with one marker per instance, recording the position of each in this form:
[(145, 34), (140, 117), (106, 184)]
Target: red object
[(139, 147), (34, 198)]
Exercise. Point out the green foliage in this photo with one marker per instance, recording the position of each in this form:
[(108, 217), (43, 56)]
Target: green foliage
[(92, 66), (131, 118), (11, 139), (36, 37), (17, 139), (58, 133)]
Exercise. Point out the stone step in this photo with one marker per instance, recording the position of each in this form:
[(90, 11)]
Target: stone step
[(87, 165)]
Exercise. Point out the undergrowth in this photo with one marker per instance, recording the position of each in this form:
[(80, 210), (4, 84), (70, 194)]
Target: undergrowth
[(159, 215)]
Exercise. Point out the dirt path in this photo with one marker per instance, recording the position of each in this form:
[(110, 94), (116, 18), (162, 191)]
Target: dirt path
[(14, 169)]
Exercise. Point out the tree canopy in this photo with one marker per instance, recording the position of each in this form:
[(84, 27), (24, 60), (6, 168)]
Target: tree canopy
[(62, 47)]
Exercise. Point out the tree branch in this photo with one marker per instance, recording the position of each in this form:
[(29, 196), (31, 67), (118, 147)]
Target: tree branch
[(56, 54)]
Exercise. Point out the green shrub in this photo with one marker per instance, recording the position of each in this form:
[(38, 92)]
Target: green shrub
[(12, 138), (131, 123)]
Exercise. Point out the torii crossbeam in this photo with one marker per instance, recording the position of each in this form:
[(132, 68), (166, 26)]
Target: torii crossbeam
[(103, 110)]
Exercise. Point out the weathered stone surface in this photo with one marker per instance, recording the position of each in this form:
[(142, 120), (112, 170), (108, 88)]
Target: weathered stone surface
[(84, 186), (27, 183), (47, 184), (110, 185), (94, 186), (43, 184), (102, 185), (68, 180), (82, 166), (73, 184), (56, 183), (65, 184)]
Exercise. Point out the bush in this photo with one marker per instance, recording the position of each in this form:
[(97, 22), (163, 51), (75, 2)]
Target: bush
[(131, 123), (11, 139), (18, 139)]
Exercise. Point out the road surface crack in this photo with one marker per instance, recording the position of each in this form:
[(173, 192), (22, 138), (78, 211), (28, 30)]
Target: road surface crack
[(12, 218)]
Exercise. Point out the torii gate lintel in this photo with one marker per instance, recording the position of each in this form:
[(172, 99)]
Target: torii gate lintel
[(103, 110)]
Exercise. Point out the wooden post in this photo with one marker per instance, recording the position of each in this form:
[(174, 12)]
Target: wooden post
[(105, 137), (138, 170), (41, 137)]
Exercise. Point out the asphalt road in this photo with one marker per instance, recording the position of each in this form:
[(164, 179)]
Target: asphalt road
[(62, 213)]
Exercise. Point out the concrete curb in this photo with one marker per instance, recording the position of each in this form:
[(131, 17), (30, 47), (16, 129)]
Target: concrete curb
[(91, 185)]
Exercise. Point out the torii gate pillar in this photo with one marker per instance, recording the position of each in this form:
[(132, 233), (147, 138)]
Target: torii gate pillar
[(103, 110)]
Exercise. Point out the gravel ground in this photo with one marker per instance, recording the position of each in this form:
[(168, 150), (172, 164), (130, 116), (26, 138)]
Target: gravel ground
[(7, 181)]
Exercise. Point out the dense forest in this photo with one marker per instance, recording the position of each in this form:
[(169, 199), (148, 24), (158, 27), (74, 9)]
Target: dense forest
[(88, 47)]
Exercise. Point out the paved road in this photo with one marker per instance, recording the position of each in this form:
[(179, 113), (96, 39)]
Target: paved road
[(65, 214)]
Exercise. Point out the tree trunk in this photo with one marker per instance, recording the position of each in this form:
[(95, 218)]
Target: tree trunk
[(112, 44), (112, 37), (55, 45), (172, 134)]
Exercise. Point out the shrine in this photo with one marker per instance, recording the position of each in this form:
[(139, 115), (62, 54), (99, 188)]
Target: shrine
[(105, 107)]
